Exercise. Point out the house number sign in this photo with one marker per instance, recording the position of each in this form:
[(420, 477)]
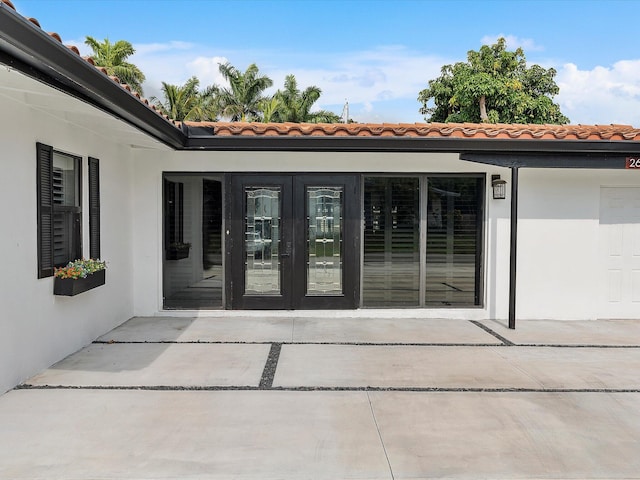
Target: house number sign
[(632, 162)]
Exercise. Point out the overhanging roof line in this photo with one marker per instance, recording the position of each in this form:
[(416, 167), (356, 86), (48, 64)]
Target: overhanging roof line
[(560, 159), (33, 52)]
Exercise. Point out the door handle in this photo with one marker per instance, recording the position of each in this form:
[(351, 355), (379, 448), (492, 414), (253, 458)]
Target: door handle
[(287, 251)]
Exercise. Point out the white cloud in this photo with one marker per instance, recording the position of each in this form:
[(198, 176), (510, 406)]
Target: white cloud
[(172, 62), (367, 79), (206, 69), (382, 84), (513, 42), (601, 95)]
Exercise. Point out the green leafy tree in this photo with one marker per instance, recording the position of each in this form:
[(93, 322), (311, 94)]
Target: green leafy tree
[(186, 102), (242, 100), (325, 116), (112, 56), (494, 85)]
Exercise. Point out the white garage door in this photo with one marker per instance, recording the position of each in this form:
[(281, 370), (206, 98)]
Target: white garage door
[(620, 252)]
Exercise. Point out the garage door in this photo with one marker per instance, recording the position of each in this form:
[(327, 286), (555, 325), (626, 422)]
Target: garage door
[(620, 252)]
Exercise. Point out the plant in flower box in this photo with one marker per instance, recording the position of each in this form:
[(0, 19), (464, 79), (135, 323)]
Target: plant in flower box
[(79, 276)]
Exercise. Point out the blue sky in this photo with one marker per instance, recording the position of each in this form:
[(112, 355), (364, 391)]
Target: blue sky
[(377, 54)]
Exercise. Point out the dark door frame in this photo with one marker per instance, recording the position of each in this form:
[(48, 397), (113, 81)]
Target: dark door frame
[(350, 248), (236, 208), (294, 251)]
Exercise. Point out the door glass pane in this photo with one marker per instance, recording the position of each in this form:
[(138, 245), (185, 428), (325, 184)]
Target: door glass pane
[(192, 273), (391, 270), (324, 240), (453, 240), (262, 241)]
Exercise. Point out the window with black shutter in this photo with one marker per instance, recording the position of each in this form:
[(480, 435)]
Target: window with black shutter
[(94, 207), (59, 209)]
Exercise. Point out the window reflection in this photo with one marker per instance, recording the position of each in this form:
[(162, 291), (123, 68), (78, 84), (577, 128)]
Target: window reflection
[(391, 269), (452, 261), (324, 240), (262, 240)]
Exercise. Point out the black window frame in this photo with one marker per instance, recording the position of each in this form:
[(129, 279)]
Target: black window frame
[(47, 209)]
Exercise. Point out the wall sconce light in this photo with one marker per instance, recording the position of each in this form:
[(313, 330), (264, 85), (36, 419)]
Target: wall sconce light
[(499, 187)]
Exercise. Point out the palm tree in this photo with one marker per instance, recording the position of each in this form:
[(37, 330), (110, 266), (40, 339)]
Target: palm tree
[(112, 56), (241, 101), (187, 103), (296, 105), (270, 108)]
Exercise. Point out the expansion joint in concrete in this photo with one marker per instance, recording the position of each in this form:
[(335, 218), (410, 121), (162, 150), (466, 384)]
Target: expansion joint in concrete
[(491, 332), (269, 372), (384, 449), (221, 388)]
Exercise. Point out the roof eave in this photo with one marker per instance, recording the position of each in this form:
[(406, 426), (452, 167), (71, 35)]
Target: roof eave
[(409, 144), (33, 52)]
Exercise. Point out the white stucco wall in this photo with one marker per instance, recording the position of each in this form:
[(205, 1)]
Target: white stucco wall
[(37, 328), (560, 270)]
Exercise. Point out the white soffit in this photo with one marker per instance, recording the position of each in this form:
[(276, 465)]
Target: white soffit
[(36, 95)]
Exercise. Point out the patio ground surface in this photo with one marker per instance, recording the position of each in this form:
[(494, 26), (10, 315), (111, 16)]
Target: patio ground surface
[(333, 398)]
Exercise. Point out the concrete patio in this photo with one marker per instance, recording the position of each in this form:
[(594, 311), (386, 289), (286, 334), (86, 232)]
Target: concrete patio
[(342, 398)]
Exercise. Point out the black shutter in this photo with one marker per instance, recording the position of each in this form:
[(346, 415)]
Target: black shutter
[(45, 209), (94, 207)]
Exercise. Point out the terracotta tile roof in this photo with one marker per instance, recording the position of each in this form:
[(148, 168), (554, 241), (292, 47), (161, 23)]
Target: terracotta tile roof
[(454, 130), (89, 60)]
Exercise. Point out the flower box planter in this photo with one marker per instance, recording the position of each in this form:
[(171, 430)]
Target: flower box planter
[(177, 253), (70, 286)]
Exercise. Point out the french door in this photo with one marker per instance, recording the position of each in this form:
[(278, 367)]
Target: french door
[(293, 241)]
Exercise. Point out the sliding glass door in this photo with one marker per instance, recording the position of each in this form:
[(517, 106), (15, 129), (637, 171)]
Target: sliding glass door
[(391, 264), (454, 241), (422, 240)]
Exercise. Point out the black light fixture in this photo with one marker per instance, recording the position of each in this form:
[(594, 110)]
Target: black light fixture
[(499, 187)]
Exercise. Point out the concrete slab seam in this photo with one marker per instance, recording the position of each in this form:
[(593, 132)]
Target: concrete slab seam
[(269, 372), (367, 344), (576, 345), (491, 332), (351, 344), (213, 388), (384, 448)]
